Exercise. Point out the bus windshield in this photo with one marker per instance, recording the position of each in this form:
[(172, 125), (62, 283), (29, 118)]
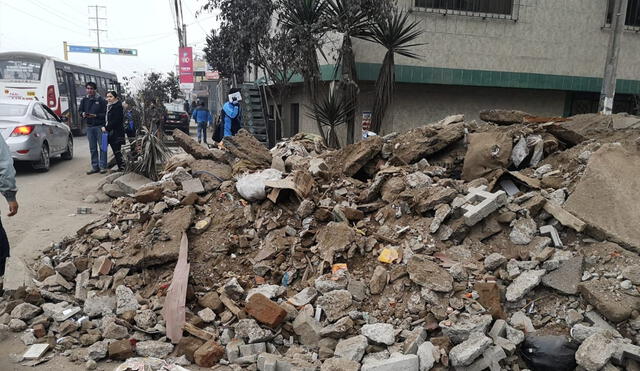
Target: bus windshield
[(7, 109), (16, 68)]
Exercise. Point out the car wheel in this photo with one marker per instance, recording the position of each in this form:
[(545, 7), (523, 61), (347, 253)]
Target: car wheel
[(68, 154), (45, 160)]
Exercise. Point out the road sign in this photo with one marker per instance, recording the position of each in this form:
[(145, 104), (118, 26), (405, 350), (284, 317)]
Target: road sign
[(93, 49)]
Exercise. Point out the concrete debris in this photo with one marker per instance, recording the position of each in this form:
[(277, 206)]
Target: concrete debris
[(397, 252)]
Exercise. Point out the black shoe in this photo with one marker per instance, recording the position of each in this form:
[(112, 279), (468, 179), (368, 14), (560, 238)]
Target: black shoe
[(92, 171), (103, 171)]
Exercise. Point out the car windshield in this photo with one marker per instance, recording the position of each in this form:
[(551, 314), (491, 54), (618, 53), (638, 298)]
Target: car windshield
[(176, 107), (7, 109), (22, 69)]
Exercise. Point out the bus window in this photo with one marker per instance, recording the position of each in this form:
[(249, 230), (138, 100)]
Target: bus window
[(104, 82), (77, 78), (62, 84), (20, 68)]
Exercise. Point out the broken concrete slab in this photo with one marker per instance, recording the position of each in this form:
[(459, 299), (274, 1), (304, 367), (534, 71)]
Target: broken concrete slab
[(424, 141), (524, 283), (504, 117), (567, 277), (353, 158), (606, 198), (553, 233), (245, 147), (428, 274), (466, 352), (409, 362), (191, 146), (487, 154), (131, 182), (352, 348), (615, 306)]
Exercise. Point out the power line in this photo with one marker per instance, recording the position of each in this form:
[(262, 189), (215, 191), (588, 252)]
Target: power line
[(46, 21), (58, 13)]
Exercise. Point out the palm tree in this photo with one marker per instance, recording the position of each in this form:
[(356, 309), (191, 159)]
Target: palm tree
[(350, 19), (305, 21), (398, 35), (331, 112)]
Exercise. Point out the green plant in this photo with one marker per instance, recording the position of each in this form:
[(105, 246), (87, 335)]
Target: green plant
[(331, 111), (398, 34), (306, 23), (149, 151)]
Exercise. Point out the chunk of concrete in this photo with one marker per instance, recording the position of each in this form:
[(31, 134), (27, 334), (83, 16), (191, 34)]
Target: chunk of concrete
[(553, 233), (131, 182), (480, 203)]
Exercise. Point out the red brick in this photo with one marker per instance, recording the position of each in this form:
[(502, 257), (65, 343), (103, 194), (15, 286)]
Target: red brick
[(187, 346), (209, 354), (39, 331), (265, 310)]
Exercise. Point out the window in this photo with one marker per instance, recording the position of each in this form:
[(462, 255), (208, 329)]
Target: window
[(501, 9), (62, 84), (632, 20), (18, 68), (50, 115), (11, 109), (39, 112)]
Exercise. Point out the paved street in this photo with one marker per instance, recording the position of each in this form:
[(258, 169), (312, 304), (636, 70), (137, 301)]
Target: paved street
[(48, 203)]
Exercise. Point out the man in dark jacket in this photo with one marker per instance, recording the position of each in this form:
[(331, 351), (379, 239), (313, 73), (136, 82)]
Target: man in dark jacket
[(93, 109)]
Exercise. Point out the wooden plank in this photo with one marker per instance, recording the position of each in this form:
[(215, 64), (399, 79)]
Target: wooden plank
[(175, 302), (198, 332), (230, 304)]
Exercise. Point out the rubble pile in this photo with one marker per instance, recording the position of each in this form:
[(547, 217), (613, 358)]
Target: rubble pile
[(457, 245)]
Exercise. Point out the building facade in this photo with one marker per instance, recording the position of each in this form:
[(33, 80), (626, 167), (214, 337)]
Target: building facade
[(545, 57)]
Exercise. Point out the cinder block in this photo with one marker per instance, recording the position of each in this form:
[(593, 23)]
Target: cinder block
[(405, 363), (551, 230), (499, 329), (479, 204)]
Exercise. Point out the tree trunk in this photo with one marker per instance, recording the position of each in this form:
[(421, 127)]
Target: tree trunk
[(384, 92), (349, 85)]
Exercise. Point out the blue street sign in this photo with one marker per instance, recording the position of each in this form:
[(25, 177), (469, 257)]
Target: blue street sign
[(93, 49)]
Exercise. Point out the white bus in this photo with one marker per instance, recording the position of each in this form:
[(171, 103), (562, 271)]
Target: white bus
[(54, 82)]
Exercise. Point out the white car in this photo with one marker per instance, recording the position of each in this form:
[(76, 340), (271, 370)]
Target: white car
[(34, 133)]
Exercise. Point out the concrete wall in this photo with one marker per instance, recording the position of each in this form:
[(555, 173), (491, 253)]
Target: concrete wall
[(420, 104), (558, 37)]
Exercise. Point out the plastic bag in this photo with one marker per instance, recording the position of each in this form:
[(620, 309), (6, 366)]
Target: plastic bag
[(549, 353), (252, 188), (104, 142), (535, 142)]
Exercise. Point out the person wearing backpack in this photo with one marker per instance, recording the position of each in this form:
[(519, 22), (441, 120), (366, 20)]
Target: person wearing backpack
[(230, 118), (202, 117)]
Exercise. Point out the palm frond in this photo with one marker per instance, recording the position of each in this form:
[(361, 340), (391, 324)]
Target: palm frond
[(331, 111), (397, 33), (152, 154)]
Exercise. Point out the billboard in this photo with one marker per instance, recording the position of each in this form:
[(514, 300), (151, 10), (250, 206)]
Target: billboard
[(186, 65)]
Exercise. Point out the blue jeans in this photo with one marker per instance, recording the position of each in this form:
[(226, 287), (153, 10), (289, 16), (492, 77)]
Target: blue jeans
[(202, 131), (98, 156)]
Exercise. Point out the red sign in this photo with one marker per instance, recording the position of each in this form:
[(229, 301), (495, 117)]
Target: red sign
[(186, 65)]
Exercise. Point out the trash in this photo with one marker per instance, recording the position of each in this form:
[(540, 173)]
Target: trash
[(549, 353), (252, 186), (36, 351), (83, 210), (520, 152), (388, 255)]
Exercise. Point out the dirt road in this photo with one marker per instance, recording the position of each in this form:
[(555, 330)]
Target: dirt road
[(48, 203)]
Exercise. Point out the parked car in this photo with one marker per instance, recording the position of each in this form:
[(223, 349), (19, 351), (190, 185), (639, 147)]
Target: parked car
[(177, 118), (34, 133)]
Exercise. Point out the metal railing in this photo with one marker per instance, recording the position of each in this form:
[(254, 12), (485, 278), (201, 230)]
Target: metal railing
[(486, 9)]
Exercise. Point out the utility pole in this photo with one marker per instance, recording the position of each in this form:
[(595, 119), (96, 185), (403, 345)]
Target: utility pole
[(618, 17), (181, 28), (97, 18)]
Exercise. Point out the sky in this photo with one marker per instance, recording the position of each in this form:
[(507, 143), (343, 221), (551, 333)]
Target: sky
[(41, 26)]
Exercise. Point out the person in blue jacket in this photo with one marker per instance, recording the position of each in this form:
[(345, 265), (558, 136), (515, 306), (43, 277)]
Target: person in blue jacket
[(231, 118), (202, 117)]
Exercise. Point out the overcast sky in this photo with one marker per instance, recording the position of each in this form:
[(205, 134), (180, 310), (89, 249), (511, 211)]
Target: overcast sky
[(147, 25)]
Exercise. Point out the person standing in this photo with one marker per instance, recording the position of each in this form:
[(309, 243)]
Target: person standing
[(131, 119), (231, 118), (202, 117), (8, 189), (93, 109), (115, 127)]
